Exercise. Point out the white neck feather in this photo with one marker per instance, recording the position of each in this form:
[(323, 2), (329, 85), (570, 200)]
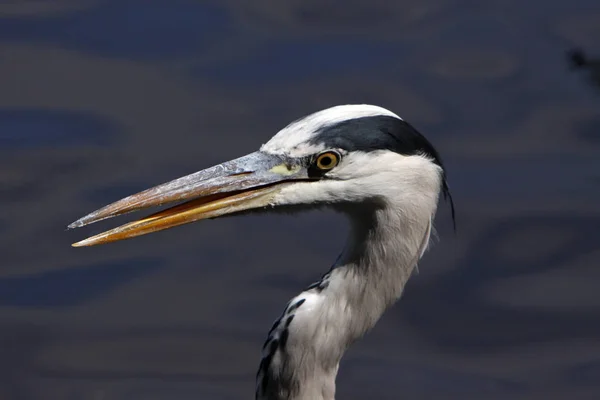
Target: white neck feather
[(304, 348)]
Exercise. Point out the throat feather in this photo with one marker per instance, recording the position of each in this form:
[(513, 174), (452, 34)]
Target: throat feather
[(302, 352)]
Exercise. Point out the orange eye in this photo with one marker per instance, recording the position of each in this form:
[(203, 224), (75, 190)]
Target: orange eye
[(327, 161)]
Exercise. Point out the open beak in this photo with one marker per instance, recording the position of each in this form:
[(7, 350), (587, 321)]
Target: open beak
[(245, 183)]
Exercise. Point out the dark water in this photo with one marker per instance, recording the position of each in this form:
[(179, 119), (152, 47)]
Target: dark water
[(102, 98)]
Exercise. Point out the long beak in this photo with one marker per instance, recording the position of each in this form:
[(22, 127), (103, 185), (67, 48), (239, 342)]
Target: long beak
[(242, 184)]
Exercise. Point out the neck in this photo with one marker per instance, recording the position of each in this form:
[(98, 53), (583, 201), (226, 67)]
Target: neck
[(304, 347)]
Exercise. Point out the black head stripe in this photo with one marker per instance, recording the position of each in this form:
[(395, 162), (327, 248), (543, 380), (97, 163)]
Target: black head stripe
[(380, 132)]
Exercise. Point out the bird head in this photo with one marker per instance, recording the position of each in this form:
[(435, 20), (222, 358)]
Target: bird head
[(342, 156)]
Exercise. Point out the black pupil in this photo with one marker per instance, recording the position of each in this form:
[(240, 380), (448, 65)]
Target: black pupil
[(326, 161)]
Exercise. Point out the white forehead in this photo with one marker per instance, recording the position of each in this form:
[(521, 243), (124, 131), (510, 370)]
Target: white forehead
[(293, 139)]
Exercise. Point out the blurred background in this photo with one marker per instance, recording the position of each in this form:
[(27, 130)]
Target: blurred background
[(103, 98)]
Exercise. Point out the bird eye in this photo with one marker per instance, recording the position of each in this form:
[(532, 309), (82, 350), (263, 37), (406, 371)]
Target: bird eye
[(328, 160)]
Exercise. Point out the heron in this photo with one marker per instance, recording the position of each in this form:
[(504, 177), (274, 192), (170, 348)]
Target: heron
[(359, 159)]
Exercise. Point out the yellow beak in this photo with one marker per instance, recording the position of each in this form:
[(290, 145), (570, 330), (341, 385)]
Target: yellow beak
[(246, 183)]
